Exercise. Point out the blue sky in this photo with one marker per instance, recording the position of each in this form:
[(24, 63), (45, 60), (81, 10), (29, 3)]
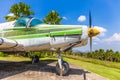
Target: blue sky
[(105, 15)]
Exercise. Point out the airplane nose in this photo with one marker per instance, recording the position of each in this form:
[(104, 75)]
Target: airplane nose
[(93, 32)]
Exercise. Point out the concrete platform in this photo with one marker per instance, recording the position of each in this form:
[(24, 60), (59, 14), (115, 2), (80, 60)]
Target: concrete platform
[(44, 70)]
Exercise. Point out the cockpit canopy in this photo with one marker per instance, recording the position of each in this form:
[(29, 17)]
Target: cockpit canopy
[(25, 21)]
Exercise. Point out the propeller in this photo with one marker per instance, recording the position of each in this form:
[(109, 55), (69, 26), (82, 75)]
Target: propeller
[(91, 31), (90, 20)]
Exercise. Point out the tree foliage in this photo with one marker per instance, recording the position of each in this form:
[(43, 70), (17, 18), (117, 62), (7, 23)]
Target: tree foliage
[(52, 18), (108, 55), (10, 18), (19, 10)]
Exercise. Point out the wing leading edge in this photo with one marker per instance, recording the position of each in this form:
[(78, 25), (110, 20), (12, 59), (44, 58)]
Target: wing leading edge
[(10, 45)]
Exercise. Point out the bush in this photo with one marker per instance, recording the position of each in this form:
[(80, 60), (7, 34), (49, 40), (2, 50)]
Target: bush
[(3, 54), (108, 55), (40, 54)]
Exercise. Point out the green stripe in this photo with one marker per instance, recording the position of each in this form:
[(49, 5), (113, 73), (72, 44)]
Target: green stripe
[(54, 31), (68, 32), (41, 31), (59, 33), (30, 36)]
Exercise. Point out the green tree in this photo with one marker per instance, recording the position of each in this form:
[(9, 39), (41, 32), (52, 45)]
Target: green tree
[(52, 18), (10, 18), (19, 10)]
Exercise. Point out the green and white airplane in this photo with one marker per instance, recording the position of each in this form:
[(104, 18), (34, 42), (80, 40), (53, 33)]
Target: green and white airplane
[(30, 34)]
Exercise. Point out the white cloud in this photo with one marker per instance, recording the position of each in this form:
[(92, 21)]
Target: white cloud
[(81, 18), (114, 38), (10, 14), (102, 30), (65, 18), (95, 43), (96, 39)]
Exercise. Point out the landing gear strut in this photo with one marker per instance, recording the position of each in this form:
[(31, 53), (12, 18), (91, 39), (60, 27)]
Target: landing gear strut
[(62, 67), (35, 59)]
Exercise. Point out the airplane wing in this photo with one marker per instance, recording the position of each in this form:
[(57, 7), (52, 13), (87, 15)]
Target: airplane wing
[(10, 45), (24, 45)]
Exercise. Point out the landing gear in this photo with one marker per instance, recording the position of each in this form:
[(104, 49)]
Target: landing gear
[(35, 59), (62, 67), (64, 70)]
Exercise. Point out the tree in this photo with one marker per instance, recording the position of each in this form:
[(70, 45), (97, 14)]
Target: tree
[(10, 18), (19, 10), (52, 18)]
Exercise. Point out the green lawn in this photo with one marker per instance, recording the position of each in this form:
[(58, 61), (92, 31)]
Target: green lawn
[(95, 61), (110, 73), (14, 58)]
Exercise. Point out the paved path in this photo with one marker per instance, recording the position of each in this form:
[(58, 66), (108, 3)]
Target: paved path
[(43, 71)]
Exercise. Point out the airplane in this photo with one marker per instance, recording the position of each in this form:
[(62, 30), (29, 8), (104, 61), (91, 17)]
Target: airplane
[(29, 34)]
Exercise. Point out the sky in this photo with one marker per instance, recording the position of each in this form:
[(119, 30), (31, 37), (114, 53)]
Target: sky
[(105, 17)]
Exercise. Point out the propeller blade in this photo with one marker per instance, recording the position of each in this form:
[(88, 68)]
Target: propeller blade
[(90, 44), (90, 20)]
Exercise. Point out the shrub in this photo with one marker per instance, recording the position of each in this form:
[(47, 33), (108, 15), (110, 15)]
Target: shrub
[(3, 54)]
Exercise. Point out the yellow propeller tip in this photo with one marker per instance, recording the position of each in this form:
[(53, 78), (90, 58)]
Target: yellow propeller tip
[(93, 32)]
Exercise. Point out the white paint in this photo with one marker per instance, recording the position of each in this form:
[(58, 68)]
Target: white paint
[(7, 25)]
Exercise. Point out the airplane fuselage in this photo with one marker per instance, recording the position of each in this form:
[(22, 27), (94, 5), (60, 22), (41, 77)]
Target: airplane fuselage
[(43, 37)]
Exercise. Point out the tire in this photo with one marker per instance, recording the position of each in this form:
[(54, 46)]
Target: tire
[(65, 65), (35, 59)]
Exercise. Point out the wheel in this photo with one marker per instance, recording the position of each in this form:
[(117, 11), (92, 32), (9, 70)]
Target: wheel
[(65, 69), (35, 59)]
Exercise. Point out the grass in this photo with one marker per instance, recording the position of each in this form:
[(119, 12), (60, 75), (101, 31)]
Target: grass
[(110, 73), (21, 58), (14, 58), (95, 61)]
